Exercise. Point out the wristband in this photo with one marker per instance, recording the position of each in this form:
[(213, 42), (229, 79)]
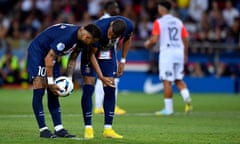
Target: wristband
[(123, 60), (50, 80)]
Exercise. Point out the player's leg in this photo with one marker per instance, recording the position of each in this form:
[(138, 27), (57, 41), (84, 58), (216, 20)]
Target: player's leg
[(109, 68), (118, 110), (39, 84), (109, 106), (89, 79), (99, 94), (55, 110), (182, 87), (86, 103), (167, 76), (37, 74)]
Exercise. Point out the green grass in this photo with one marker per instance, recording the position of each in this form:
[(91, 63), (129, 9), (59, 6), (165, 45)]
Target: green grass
[(215, 120)]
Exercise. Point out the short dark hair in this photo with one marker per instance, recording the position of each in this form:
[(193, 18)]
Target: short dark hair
[(118, 27), (93, 30), (110, 4), (165, 4)]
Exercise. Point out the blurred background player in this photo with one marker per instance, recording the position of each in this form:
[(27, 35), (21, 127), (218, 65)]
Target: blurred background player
[(104, 62), (44, 66), (9, 68), (111, 8), (172, 35)]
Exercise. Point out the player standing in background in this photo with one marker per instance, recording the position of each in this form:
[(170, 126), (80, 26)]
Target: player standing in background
[(104, 61), (43, 67), (111, 9), (173, 38)]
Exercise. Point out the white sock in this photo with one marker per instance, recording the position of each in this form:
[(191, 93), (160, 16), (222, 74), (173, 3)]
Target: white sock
[(43, 128), (107, 126), (58, 127), (116, 80), (185, 95), (168, 105), (99, 94), (88, 126)]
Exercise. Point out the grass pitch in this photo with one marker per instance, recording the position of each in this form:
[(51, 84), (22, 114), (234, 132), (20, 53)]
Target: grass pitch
[(215, 120)]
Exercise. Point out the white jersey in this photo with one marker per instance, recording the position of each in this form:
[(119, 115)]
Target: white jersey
[(106, 15), (171, 31)]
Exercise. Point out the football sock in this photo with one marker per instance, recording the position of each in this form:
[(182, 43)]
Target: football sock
[(168, 105), (116, 80), (99, 94), (54, 108), (107, 126), (42, 129), (88, 126), (109, 104), (185, 95), (38, 106), (58, 127), (87, 104)]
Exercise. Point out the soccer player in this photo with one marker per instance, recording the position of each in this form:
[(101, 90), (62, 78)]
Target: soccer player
[(111, 8), (104, 62), (43, 67), (172, 35)]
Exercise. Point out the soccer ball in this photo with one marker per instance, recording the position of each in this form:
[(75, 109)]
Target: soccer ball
[(65, 84)]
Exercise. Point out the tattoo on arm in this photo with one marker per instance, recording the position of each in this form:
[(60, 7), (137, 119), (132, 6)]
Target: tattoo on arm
[(72, 63)]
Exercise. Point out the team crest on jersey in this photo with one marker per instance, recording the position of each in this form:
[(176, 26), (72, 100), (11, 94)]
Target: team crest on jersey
[(87, 69), (60, 46)]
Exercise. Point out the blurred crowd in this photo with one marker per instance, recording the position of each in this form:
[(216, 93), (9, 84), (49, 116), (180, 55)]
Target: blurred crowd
[(213, 25)]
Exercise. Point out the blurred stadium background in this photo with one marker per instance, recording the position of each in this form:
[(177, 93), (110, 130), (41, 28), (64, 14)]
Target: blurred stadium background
[(213, 25)]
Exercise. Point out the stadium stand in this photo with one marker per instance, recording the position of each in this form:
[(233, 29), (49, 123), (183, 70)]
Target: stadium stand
[(215, 41)]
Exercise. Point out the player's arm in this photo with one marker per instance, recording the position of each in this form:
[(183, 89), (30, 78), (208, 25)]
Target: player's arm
[(72, 61), (125, 48), (151, 42), (49, 63), (185, 43), (98, 70), (154, 37)]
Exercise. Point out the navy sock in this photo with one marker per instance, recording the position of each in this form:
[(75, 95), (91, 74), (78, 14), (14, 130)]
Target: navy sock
[(109, 104), (87, 104), (54, 108), (38, 106)]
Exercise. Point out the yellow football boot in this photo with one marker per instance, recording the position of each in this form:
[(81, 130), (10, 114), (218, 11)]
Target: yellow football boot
[(188, 108), (88, 133), (110, 133), (98, 111), (119, 111)]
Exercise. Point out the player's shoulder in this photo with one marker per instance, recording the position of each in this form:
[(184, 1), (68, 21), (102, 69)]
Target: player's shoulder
[(122, 18), (170, 18), (61, 26)]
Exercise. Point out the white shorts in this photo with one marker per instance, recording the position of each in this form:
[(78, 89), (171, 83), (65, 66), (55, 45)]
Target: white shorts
[(171, 71)]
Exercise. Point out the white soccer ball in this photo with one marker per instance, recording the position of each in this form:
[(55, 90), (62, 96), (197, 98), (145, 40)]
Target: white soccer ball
[(65, 84)]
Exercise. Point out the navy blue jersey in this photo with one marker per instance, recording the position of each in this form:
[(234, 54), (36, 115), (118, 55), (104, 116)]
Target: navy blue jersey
[(60, 37), (105, 54), (104, 24)]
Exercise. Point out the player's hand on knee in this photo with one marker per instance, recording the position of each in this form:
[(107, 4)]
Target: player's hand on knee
[(108, 81)]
